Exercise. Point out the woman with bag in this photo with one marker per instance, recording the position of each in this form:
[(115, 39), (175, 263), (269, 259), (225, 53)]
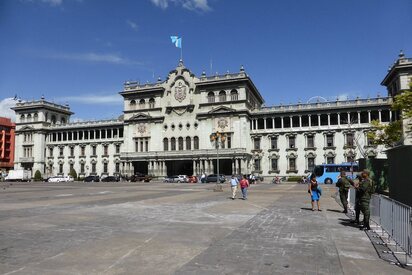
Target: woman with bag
[(315, 192), (244, 184)]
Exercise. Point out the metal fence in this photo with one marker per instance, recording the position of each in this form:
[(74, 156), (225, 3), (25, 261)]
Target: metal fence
[(393, 217)]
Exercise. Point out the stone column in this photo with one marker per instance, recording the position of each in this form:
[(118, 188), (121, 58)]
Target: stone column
[(358, 118), (338, 119), (233, 166), (319, 121), (264, 123), (239, 167), (273, 123), (194, 168), (291, 122), (281, 122), (380, 115), (369, 116), (310, 120), (212, 167), (207, 166), (300, 121), (328, 119), (349, 118)]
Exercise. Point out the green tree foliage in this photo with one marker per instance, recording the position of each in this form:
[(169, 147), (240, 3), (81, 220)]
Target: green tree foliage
[(73, 174), (391, 134), (37, 176)]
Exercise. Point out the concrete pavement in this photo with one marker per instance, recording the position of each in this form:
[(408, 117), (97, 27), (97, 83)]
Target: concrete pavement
[(123, 228)]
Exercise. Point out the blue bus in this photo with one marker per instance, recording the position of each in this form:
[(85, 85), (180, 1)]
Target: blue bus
[(328, 173)]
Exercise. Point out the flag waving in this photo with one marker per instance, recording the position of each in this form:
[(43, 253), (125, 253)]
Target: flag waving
[(177, 41)]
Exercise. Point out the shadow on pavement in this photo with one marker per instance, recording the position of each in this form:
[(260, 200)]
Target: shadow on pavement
[(306, 208), (334, 210), (348, 222)]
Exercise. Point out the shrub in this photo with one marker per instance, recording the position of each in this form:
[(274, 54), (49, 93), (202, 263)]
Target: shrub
[(73, 174), (37, 176), (294, 178)]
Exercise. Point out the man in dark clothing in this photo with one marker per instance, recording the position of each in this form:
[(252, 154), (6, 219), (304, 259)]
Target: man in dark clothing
[(366, 189), (344, 185), (357, 199)]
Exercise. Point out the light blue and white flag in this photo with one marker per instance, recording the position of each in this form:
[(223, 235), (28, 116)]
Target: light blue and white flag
[(177, 41)]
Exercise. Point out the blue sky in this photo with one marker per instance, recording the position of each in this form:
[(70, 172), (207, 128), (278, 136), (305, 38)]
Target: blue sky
[(81, 51)]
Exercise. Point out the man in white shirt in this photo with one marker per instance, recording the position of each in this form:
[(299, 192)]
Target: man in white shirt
[(233, 184)]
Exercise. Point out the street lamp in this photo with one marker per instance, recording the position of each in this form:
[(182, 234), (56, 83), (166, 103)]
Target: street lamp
[(218, 138)]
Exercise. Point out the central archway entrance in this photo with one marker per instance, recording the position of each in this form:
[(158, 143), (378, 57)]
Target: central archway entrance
[(179, 167)]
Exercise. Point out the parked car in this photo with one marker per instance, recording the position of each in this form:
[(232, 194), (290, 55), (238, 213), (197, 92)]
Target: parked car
[(176, 178), (193, 179), (91, 179), (61, 179), (140, 177), (110, 179), (213, 178), (18, 175)]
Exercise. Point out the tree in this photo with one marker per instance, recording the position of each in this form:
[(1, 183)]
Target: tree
[(392, 133), (73, 173), (37, 176)]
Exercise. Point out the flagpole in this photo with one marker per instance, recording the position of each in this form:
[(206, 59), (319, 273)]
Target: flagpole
[(181, 48)]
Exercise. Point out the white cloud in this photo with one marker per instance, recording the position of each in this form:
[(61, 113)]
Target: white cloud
[(192, 5), (5, 105), (93, 99), (94, 57), (342, 97), (132, 25)]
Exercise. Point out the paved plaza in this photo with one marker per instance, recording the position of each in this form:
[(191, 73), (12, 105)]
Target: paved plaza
[(157, 228)]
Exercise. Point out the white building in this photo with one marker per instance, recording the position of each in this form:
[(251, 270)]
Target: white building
[(166, 128)]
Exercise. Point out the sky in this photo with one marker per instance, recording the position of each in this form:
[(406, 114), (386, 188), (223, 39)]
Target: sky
[(81, 52)]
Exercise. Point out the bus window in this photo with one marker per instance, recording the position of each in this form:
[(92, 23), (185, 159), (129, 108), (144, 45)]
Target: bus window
[(318, 171)]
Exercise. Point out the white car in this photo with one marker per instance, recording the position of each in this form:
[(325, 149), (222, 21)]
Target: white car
[(61, 179), (182, 178)]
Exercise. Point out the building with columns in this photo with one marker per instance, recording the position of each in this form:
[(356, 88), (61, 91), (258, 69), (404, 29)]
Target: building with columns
[(166, 126)]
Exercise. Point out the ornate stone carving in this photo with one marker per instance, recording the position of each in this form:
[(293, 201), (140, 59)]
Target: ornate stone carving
[(180, 91), (141, 128), (222, 123)]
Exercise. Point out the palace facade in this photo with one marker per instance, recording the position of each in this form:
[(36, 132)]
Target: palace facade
[(166, 126)]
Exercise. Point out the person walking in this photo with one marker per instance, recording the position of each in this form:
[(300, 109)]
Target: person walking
[(355, 184), (366, 189), (343, 184), (244, 185), (314, 191), (233, 184)]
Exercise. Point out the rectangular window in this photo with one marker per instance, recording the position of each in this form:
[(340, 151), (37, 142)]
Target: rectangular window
[(93, 167), (106, 150), (292, 141), (71, 167), (82, 151), (257, 164), (141, 146), (50, 152), (329, 140), (349, 139), (61, 151), (82, 168), (330, 160), (274, 164), (292, 164), (146, 145), (94, 151), (274, 143), (311, 163), (117, 167), (117, 148), (60, 168), (310, 141), (257, 143), (136, 146), (229, 142), (105, 167), (72, 151)]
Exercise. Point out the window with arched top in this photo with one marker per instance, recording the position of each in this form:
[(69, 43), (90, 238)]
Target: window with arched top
[(222, 96), (188, 143), (173, 144), (29, 117), (151, 103), (142, 104), (211, 97), (132, 103), (35, 117), (22, 118), (53, 119), (180, 141), (63, 120), (196, 143), (234, 95), (165, 144)]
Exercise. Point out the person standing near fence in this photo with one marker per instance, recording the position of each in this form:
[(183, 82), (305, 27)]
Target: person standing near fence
[(343, 184), (366, 189)]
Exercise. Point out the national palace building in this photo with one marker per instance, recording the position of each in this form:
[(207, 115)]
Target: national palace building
[(166, 126)]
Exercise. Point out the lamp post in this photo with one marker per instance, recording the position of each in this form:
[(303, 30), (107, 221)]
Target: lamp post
[(217, 138)]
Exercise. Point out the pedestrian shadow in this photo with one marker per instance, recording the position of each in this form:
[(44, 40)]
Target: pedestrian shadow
[(306, 208), (348, 222), (334, 210)]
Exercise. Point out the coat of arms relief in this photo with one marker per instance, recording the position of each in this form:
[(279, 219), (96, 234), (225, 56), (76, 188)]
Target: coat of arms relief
[(180, 91)]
